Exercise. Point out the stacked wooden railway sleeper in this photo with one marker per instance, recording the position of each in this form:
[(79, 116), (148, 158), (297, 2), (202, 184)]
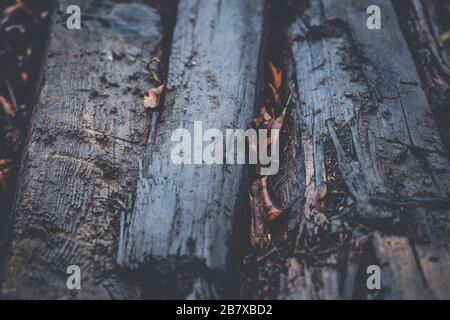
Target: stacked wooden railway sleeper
[(364, 172)]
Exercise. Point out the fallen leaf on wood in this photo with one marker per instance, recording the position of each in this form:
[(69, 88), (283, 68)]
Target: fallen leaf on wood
[(262, 207), (4, 163), (151, 99), (24, 76), (270, 210), (276, 75), (7, 106), (445, 36)]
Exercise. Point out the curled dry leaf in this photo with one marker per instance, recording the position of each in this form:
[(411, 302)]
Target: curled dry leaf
[(151, 99), (269, 210), (7, 106), (262, 208), (445, 36), (276, 75)]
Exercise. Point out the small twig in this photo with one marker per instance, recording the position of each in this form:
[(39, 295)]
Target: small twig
[(273, 250)]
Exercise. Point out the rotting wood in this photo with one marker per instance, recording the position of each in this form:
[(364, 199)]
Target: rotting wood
[(372, 108), (362, 148), (376, 171), (80, 165), (180, 229)]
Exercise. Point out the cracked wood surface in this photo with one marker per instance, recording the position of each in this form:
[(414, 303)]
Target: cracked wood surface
[(183, 214), (419, 22), (365, 173), (363, 107), (80, 166)]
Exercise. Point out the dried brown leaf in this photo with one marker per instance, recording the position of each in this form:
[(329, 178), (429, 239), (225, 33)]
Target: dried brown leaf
[(257, 121), (7, 106), (276, 75), (151, 99), (445, 36)]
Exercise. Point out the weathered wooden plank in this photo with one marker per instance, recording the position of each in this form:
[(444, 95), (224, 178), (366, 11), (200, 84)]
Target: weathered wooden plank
[(81, 163), (183, 214), (389, 99), (401, 274), (377, 177), (420, 26)]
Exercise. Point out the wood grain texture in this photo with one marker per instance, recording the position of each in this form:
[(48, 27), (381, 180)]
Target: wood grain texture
[(183, 214), (377, 177), (80, 166), (419, 23)]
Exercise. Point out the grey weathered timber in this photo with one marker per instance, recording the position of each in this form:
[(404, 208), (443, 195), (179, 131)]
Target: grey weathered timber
[(80, 166), (183, 214), (419, 23), (377, 177)]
